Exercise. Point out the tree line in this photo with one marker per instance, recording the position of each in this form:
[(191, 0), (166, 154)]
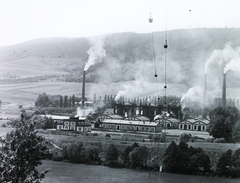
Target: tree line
[(176, 158), (45, 100)]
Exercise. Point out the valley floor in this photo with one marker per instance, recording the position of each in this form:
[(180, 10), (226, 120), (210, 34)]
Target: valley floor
[(62, 172)]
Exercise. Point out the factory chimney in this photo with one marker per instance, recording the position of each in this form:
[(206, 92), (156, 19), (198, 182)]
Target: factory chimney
[(224, 91), (83, 90)]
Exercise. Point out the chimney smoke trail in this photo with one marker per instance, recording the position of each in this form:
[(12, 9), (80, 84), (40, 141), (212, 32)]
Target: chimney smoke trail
[(96, 54), (224, 91), (83, 90)]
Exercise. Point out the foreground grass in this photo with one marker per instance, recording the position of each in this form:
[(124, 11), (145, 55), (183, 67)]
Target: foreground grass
[(62, 172)]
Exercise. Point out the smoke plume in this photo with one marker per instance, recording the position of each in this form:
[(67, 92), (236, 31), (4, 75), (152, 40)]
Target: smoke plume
[(234, 64), (129, 90), (194, 94), (84, 112), (220, 56), (96, 54)]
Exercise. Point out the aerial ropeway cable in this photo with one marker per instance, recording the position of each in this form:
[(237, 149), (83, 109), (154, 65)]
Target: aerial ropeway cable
[(153, 52)]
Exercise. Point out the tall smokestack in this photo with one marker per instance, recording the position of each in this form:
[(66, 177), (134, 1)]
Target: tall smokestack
[(83, 90), (224, 91)]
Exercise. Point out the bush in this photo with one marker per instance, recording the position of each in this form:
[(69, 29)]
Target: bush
[(4, 125), (219, 140), (57, 155), (111, 154), (182, 159), (185, 137)]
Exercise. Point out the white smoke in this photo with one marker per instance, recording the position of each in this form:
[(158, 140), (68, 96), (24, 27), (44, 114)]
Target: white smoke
[(221, 56), (130, 90), (96, 54), (234, 64), (84, 112), (194, 94)]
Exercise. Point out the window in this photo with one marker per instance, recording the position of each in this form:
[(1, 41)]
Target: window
[(66, 123), (180, 126), (79, 128), (72, 128), (72, 123), (59, 127), (66, 127), (203, 128), (189, 126)]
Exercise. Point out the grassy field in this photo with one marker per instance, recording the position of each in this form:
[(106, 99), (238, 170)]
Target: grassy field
[(27, 93), (62, 172)]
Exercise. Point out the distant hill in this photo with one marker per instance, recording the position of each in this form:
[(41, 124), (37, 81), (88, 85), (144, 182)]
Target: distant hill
[(129, 56)]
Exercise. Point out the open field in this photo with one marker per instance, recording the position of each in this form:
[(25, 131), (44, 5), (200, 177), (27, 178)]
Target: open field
[(62, 172), (28, 92), (13, 95)]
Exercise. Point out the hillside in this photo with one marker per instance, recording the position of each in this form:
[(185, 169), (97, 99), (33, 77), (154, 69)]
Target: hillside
[(129, 56), (125, 57)]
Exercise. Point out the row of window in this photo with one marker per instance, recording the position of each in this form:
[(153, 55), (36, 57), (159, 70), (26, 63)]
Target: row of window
[(128, 127), (71, 123), (193, 127), (79, 128)]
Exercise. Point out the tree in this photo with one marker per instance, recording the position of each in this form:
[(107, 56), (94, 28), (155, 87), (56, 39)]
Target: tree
[(92, 153), (182, 159), (43, 100), (224, 165), (20, 153), (61, 101), (75, 152), (65, 101), (127, 150), (73, 100), (70, 101), (222, 122), (111, 154), (236, 131), (138, 157), (236, 163), (169, 158)]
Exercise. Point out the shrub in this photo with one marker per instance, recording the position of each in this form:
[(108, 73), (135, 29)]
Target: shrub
[(4, 125), (185, 137), (182, 159), (219, 140), (75, 152), (111, 154), (57, 155)]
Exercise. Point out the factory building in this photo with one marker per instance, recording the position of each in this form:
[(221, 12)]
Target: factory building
[(196, 124), (137, 124), (78, 124)]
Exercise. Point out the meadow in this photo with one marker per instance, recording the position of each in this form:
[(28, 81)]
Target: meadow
[(27, 93), (62, 172)]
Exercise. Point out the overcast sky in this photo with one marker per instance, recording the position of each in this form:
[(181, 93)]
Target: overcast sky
[(23, 20)]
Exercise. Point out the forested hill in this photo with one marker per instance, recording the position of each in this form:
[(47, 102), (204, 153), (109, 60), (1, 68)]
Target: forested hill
[(128, 56)]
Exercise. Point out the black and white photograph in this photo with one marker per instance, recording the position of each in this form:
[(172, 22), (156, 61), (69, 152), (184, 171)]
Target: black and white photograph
[(119, 91)]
